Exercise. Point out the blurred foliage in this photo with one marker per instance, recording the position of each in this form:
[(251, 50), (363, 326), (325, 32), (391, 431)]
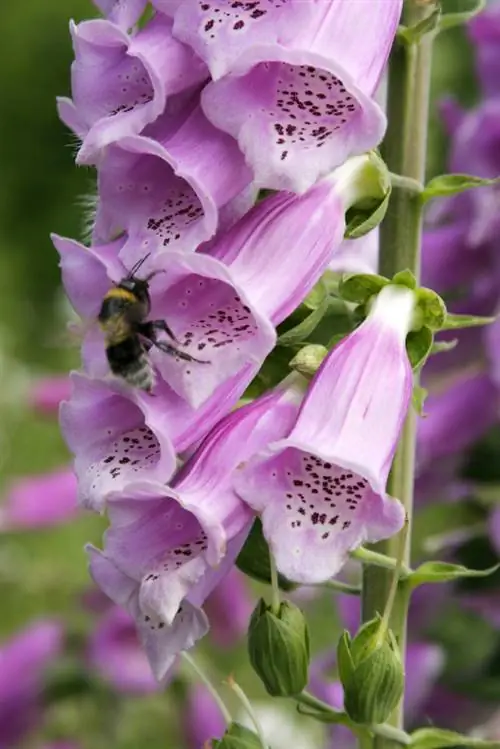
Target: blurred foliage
[(43, 572)]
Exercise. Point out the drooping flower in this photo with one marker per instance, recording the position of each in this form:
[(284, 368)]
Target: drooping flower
[(484, 31), (114, 652), (37, 501), (202, 718), (122, 82), (24, 659), (456, 418), (168, 547), (116, 437), (46, 393), (167, 191), (300, 109), (228, 609), (321, 491)]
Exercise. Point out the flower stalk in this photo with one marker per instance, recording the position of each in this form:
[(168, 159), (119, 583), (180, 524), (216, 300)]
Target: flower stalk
[(404, 151)]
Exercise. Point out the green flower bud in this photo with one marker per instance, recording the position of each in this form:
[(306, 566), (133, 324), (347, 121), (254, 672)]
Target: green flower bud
[(371, 673), (237, 737), (308, 360), (278, 646)]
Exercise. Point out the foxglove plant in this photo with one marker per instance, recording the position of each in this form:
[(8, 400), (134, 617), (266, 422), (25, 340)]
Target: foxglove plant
[(186, 112)]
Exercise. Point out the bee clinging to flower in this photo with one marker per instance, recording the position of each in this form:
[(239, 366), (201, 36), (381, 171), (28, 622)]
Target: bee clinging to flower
[(128, 333)]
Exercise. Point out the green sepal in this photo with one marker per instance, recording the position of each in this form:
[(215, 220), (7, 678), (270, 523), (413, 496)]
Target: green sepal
[(362, 218), (318, 293), (413, 34), (455, 322), (431, 308), (303, 330), (405, 278), (237, 737), (459, 18), (418, 346), (451, 184), (309, 359), (278, 647), (253, 559), (418, 398), (371, 673), (442, 572), (360, 287), (438, 738)]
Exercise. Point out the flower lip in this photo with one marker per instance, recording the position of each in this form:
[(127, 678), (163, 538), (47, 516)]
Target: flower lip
[(115, 435), (296, 88)]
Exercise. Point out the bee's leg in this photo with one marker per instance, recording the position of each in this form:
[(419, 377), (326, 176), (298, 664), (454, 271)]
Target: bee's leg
[(173, 351), (155, 326)]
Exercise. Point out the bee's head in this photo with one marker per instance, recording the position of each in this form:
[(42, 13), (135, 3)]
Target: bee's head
[(137, 286)]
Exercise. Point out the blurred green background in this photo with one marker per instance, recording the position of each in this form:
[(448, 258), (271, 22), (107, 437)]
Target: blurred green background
[(42, 191)]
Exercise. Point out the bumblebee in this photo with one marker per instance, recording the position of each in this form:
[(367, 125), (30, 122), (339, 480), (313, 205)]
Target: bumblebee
[(129, 335)]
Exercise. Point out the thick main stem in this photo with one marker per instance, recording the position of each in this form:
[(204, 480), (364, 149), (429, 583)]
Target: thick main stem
[(404, 151)]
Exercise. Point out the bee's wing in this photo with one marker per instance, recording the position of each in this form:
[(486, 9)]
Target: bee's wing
[(73, 335)]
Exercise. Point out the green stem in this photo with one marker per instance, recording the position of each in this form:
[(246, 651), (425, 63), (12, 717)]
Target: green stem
[(275, 588), (340, 587), (404, 151), (206, 681)]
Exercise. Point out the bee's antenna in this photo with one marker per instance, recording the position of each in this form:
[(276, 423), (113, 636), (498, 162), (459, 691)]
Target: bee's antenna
[(153, 274), (136, 267)]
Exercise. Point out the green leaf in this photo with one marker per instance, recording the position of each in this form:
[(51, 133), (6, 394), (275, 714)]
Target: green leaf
[(317, 294), (431, 307), (359, 287), (418, 399), (471, 9), (440, 347), (413, 34), (441, 572), (361, 219), (455, 322), (451, 184), (303, 330), (253, 559), (418, 346), (436, 738), (405, 278)]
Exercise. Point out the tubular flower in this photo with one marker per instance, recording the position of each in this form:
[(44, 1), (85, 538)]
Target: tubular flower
[(321, 490), (120, 83), (116, 438), (37, 501), (456, 418), (484, 31), (168, 547), (24, 658), (202, 719), (296, 110), (221, 304), (166, 191), (229, 608), (124, 13), (115, 653), (46, 393)]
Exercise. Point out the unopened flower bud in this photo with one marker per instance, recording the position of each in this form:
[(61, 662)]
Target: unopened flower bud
[(371, 672), (237, 737), (308, 360), (278, 646)]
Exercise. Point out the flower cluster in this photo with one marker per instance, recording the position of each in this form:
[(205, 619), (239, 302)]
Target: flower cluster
[(187, 112)]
